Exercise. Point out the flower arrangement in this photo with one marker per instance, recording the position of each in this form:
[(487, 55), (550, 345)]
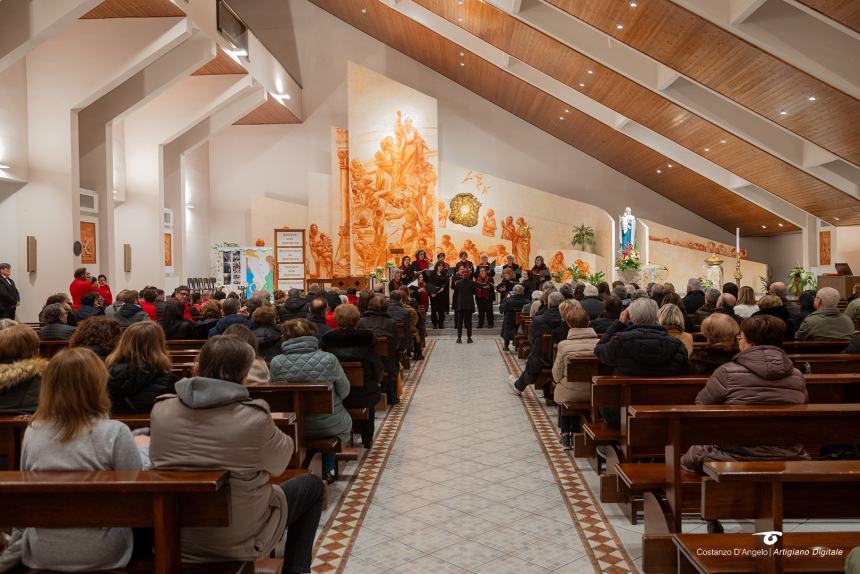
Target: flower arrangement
[(705, 283), (629, 259), (579, 270), (595, 278)]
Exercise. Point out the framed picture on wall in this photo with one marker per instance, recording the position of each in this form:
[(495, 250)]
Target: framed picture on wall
[(168, 250), (88, 243)]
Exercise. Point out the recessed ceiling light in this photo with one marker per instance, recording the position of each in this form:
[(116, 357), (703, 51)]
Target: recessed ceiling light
[(460, 19), (659, 171), (566, 111), (581, 85), (764, 226), (4, 166), (364, 10), (783, 113), (669, 166), (590, 71), (460, 2), (780, 224), (836, 219), (722, 141), (561, 117), (633, 4), (619, 26), (707, 149), (811, 98), (462, 53), (462, 63)]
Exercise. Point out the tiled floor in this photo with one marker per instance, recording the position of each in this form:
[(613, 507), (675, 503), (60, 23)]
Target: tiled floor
[(466, 487)]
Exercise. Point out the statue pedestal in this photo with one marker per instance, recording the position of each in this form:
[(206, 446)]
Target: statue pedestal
[(629, 276)]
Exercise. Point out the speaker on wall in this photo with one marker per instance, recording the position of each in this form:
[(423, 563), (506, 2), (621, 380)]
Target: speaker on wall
[(126, 257), (31, 254)]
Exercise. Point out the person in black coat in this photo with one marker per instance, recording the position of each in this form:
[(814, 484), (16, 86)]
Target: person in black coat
[(509, 307), (350, 344), (268, 333), (611, 314), (463, 263), (436, 285), (89, 307), (139, 369), (548, 322), (772, 305), (642, 348), (464, 302), (9, 296), (485, 264), (694, 298), (294, 307), (377, 320), (540, 272), (174, 323), (854, 346), (510, 263), (485, 295)]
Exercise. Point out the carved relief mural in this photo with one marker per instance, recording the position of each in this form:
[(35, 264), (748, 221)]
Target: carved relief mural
[(703, 246), (392, 169)]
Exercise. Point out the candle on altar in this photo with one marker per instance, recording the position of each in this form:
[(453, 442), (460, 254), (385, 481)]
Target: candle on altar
[(738, 241)]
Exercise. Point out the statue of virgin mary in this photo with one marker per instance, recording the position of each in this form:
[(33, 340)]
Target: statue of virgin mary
[(626, 230)]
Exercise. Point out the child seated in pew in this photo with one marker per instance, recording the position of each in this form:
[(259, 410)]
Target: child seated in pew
[(211, 423), (580, 342), (72, 431), (761, 373)]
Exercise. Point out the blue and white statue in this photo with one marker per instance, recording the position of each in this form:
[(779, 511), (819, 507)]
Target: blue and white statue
[(626, 230)]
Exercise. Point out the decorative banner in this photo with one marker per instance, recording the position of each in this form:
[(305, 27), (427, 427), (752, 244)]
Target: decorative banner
[(823, 248), (259, 264), (88, 243), (168, 250), (393, 169)]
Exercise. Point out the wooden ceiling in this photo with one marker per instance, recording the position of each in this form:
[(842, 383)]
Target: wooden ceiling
[(648, 108), (730, 66), (220, 65), (134, 9), (846, 12), (615, 149), (270, 112)]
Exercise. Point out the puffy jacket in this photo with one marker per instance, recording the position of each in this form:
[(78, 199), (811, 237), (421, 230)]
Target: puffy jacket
[(56, 332), (225, 322), (357, 345), (580, 342), (645, 350), (269, 339), (762, 375), (133, 390), (705, 360), (130, 313), (213, 425), (293, 308), (825, 324), (20, 382), (302, 360)]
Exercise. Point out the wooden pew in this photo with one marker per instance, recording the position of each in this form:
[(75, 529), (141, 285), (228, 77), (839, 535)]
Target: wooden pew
[(827, 363), (806, 347), (163, 501), (769, 492), (355, 373), (48, 349), (301, 398), (680, 426)]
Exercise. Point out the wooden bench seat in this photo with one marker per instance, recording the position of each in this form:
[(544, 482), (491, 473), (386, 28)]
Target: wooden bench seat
[(643, 476), (713, 553), (600, 433)]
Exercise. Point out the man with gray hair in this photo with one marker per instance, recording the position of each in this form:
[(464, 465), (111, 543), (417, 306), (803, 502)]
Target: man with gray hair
[(509, 307), (55, 328), (694, 298), (592, 303), (826, 322), (711, 297), (657, 293), (636, 345), (779, 289), (548, 322)]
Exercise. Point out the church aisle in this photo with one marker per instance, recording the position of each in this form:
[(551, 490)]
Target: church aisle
[(466, 487)]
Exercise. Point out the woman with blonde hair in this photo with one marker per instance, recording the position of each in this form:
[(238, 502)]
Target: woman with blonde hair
[(72, 431), (20, 369), (721, 332), (580, 342), (746, 304), (772, 305), (139, 368), (671, 318)]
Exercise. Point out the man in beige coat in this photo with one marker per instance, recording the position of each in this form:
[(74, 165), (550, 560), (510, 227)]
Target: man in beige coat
[(212, 424)]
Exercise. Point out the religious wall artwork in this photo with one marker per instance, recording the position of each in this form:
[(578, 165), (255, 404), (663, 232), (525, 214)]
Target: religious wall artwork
[(88, 243), (452, 242), (464, 209), (321, 252), (626, 231), (522, 243), (478, 180), (341, 266), (168, 249), (489, 227), (824, 248), (703, 245), (509, 230), (443, 214), (393, 169)]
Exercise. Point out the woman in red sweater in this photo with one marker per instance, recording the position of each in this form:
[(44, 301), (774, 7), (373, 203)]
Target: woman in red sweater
[(80, 287), (104, 290)]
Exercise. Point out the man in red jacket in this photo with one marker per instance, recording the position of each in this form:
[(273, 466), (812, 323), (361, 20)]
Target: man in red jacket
[(80, 287)]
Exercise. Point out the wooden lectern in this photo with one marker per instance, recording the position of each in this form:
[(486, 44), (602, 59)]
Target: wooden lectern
[(843, 281)]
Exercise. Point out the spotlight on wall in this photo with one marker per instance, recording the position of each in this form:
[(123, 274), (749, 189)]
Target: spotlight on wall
[(4, 166), (237, 53), (189, 206)]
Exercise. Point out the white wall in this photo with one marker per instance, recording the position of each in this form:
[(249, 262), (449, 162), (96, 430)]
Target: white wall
[(273, 160), (848, 247), (195, 191)]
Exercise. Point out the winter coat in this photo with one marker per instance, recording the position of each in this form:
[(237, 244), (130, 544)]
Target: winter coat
[(762, 375), (56, 332), (201, 328), (702, 313), (484, 290), (401, 316), (646, 350), (178, 330), (20, 382), (464, 295), (148, 308), (854, 345), (87, 311), (744, 311), (593, 306), (693, 301), (545, 323), (437, 289), (705, 360), (211, 424), (259, 373), (321, 324), (685, 338), (604, 321), (133, 389), (130, 313), (382, 325), (269, 339), (302, 360), (509, 307), (357, 345), (729, 312), (292, 308), (225, 322), (580, 342), (780, 313), (825, 324)]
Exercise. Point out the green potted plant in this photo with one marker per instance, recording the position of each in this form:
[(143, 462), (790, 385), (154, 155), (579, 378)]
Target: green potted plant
[(800, 280), (583, 235)]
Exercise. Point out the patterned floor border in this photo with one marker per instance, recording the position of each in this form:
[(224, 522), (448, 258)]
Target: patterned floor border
[(334, 543), (602, 544)]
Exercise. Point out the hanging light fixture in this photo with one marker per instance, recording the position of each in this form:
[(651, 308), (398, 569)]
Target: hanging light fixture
[(464, 209)]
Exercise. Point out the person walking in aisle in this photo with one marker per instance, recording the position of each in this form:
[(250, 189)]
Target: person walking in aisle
[(484, 297), (9, 296), (464, 303)]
